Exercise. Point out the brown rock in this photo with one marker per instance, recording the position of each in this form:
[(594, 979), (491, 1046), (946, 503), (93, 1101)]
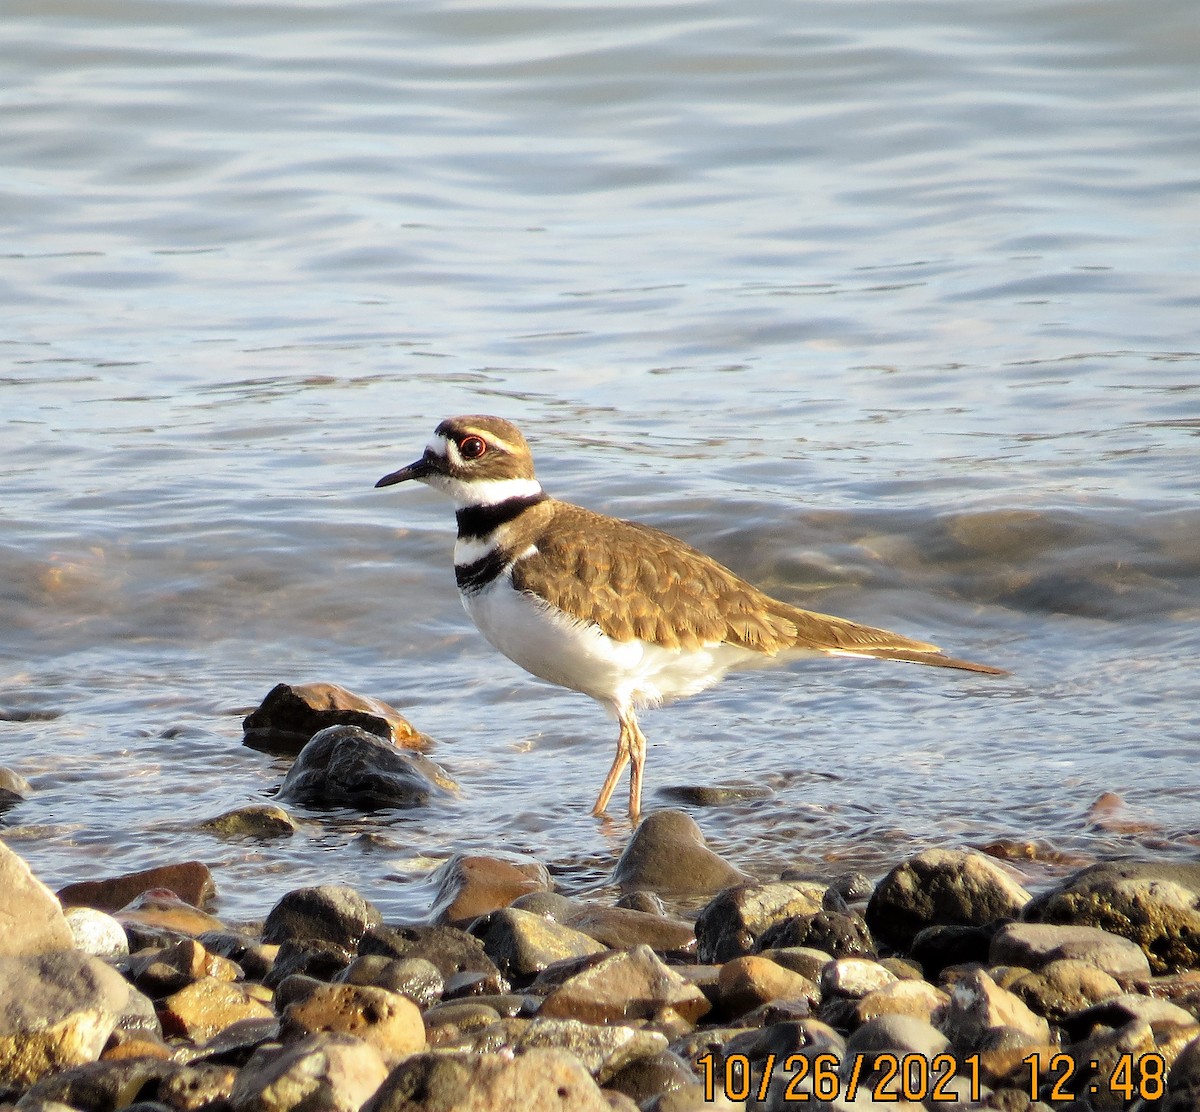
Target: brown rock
[(1034, 945), (470, 886), (159, 913), (918, 999), (540, 1080), (208, 1006), (291, 713), (331, 1072), (1063, 987), (667, 854), (388, 1021), (31, 918), (622, 928), (56, 1010), (625, 986), (191, 882), (978, 1004), (747, 982), (731, 924)]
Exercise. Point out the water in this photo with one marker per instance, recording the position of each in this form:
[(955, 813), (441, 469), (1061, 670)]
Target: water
[(890, 306)]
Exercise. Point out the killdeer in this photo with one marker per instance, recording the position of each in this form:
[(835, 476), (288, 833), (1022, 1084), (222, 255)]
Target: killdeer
[(620, 611)]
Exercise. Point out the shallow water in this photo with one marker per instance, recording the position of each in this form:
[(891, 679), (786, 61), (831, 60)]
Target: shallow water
[(891, 307)]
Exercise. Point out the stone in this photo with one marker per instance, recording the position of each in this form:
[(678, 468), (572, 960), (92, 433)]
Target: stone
[(622, 928), (716, 795), (602, 1050), (198, 1086), (940, 886), (471, 886), (1036, 944), (416, 978), (936, 948), (978, 1004), (751, 980), (207, 1006), (97, 1085), (522, 944), (344, 766), (455, 953), (854, 977), (897, 1033), (667, 854), (162, 972), (454, 1020), (625, 986), (386, 1020), (731, 924), (1124, 1008), (549, 905), (263, 820), (14, 789), (159, 918), (540, 1080), (1061, 988), (799, 959), (330, 913), (1183, 1082), (252, 956), (95, 932), (56, 1011), (190, 881), (332, 1072), (645, 1079), (286, 720), (31, 918), (917, 999), (1156, 906), (840, 934)]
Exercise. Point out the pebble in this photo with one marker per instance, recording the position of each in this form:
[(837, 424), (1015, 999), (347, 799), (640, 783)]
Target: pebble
[(94, 932), (577, 1004)]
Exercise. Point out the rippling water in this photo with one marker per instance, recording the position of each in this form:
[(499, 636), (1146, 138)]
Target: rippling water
[(890, 306)]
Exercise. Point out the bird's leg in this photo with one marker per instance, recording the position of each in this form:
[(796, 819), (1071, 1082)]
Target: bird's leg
[(637, 753), (624, 743)]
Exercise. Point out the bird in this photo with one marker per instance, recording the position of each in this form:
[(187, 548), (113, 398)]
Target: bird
[(621, 611)]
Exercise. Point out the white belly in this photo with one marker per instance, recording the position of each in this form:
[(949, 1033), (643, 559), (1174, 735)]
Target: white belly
[(578, 655)]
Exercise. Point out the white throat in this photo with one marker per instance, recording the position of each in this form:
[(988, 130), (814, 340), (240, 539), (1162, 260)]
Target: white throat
[(483, 492)]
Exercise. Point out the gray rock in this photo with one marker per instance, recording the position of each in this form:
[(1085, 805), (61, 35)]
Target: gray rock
[(1158, 907), (96, 1085), (898, 1033), (456, 954), (333, 1072), (1036, 944), (622, 928), (14, 789), (329, 913), (854, 977), (978, 1004), (256, 821), (844, 935), (646, 1079), (547, 1080), (941, 886), (1183, 1081), (348, 767), (97, 933), (418, 979), (57, 1010), (30, 913), (935, 948), (731, 924), (522, 944), (668, 855)]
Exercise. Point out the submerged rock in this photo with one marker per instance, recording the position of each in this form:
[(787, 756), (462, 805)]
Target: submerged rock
[(291, 714), (668, 855), (191, 881), (256, 821), (470, 886), (348, 767)]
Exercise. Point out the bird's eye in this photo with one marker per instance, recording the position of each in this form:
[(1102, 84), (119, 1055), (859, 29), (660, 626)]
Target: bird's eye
[(472, 447)]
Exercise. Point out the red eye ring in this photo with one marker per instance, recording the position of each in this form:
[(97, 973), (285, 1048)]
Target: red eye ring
[(472, 447)]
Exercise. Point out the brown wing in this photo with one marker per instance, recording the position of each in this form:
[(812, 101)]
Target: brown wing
[(634, 581)]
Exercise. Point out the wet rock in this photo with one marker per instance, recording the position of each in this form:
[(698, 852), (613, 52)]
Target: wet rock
[(1036, 944), (897, 1033), (1156, 906), (252, 956), (257, 821), (322, 961), (30, 914), (1061, 988), (458, 1019), (978, 1004), (842, 935), (386, 1020), (622, 928), (455, 953), (716, 795), (14, 789), (291, 714), (415, 978), (799, 959), (97, 1085), (96, 933), (602, 1050), (56, 1011), (470, 886), (746, 982), (191, 881), (522, 944), (207, 1006), (1183, 1082), (159, 918), (344, 766), (731, 924), (941, 886), (643, 901), (548, 1080), (233, 1045), (916, 999), (159, 973), (645, 1079), (1123, 1008), (335, 1073), (625, 986), (330, 913), (201, 1086), (935, 948), (667, 854), (549, 905)]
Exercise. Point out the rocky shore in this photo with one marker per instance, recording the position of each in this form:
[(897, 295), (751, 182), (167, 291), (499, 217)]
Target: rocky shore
[(942, 984)]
